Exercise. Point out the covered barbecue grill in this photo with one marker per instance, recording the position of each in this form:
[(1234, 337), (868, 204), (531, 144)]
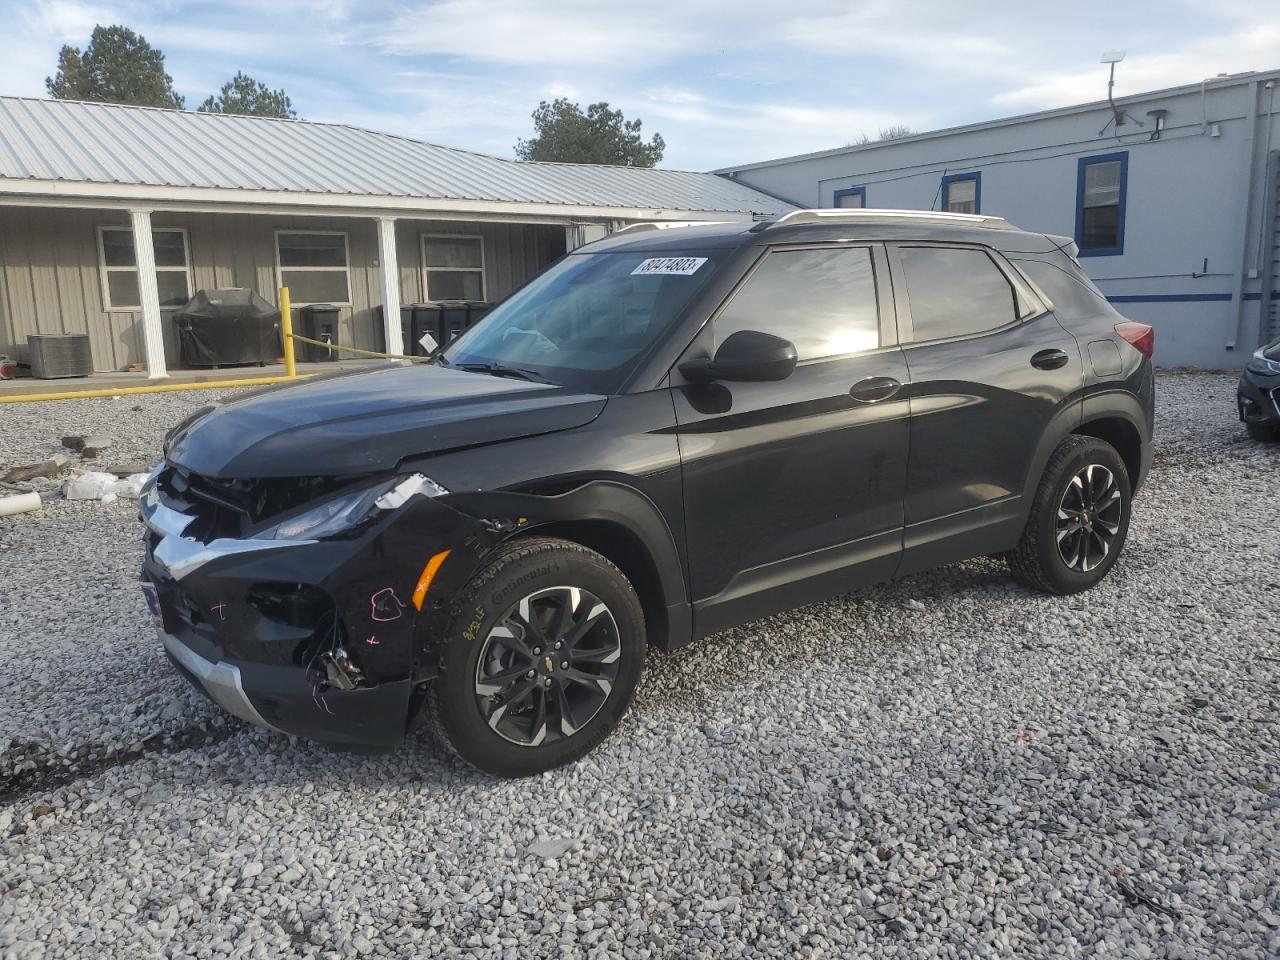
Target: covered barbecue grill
[(224, 327)]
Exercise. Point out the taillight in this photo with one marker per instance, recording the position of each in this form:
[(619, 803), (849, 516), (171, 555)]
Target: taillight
[(1141, 336)]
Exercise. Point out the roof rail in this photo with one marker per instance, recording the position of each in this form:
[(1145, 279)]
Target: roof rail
[(664, 225), (875, 213)]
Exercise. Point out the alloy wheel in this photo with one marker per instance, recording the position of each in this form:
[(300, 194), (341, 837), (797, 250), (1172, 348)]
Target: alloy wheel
[(1088, 519), (548, 666)]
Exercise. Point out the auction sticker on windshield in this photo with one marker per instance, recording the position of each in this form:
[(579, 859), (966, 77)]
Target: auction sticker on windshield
[(679, 266)]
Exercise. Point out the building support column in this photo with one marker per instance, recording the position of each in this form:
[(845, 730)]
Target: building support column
[(390, 274), (144, 256)]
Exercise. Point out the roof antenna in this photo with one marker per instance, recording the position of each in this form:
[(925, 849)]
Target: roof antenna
[(1118, 116)]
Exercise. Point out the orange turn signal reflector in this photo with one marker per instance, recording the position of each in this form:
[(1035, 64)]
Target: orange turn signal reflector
[(428, 574)]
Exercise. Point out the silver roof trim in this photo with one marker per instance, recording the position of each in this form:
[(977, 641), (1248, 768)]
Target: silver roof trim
[(873, 215), (640, 227)]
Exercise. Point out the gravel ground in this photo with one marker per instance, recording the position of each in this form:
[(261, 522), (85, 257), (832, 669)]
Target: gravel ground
[(946, 766)]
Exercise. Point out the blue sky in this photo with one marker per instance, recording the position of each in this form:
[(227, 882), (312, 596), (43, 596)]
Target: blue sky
[(724, 82)]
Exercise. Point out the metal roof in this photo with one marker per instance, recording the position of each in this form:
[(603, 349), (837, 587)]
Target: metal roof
[(97, 143)]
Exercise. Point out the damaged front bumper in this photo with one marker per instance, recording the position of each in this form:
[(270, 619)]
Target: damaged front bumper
[(286, 700), (221, 680), (323, 639)]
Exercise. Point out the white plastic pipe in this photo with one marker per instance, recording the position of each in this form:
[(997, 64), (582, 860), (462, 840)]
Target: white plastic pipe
[(22, 503)]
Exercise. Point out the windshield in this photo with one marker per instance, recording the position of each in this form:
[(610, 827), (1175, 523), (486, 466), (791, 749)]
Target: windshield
[(587, 322)]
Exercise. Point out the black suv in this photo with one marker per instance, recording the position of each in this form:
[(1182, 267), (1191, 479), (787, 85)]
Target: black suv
[(667, 433)]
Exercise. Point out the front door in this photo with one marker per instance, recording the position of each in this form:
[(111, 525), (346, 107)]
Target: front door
[(793, 489), (990, 368)]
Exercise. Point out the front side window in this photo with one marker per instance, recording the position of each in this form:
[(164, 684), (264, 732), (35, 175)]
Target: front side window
[(962, 193), (822, 300), (120, 267), (453, 266), (1101, 185), (313, 265), (955, 292), (588, 320), (850, 198)]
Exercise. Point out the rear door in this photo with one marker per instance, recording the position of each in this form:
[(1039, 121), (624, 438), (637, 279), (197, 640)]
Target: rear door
[(793, 489), (990, 370)]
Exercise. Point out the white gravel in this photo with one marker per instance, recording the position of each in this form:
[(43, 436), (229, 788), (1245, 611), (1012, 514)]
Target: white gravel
[(946, 766)]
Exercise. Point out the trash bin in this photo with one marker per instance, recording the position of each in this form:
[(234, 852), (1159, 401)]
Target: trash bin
[(454, 319), (227, 327), (425, 322), (415, 320), (319, 322)]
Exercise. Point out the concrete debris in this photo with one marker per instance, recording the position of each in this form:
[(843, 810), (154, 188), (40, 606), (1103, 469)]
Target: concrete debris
[(130, 487), (128, 469), (91, 485), (45, 468), (89, 446)]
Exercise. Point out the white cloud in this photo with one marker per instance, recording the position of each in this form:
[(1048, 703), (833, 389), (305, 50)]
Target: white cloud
[(1257, 48), (31, 38), (564, 33), (938, 36), (724, 81)]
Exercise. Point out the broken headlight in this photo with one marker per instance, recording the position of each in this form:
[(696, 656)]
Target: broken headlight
[(1262, 363), (343, 513)]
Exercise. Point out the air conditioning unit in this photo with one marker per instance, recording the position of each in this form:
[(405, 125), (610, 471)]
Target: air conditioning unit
[(56, 355)]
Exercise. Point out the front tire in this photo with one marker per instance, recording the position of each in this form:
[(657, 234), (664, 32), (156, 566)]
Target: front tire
[(541, 658), (1079, 519)]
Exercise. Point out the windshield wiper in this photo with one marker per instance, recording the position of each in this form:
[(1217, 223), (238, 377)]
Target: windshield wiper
[(495, 369)]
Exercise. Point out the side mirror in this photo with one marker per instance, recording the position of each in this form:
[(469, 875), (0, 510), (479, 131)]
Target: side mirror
[(747, 356)]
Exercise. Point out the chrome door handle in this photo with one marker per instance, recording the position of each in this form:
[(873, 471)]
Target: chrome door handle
[(874, 389), (1049, 359)]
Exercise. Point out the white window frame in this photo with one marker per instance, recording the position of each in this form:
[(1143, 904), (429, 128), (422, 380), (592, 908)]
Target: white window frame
[(103, 269), (346, 255), (426, 270)]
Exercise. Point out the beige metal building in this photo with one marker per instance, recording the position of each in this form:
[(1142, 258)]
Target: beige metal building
[(113, 216)]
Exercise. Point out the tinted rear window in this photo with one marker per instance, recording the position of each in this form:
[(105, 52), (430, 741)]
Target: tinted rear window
[(956, 292), (1073, 299)]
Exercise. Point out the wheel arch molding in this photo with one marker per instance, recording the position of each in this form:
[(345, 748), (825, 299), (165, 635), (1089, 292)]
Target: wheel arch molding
[(615, 520)]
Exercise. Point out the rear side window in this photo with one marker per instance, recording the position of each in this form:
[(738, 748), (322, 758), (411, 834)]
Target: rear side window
[(1073, 299), (955, 292), (822, 300)]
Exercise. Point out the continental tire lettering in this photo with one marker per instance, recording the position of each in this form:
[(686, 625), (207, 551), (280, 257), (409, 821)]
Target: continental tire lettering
[(514, 586)]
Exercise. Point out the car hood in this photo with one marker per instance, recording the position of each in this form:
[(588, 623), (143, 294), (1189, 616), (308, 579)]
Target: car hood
[(368, 421)]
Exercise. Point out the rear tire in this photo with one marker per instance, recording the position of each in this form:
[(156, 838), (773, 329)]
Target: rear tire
[(1079, 519), (1263, 432), (540, 660)]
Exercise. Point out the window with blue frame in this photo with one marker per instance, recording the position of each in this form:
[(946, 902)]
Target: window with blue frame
[(1101, 185), (850, 198), (962, 193)]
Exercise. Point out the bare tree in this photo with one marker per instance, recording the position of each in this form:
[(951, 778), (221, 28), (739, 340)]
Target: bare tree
[(895, 132)]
